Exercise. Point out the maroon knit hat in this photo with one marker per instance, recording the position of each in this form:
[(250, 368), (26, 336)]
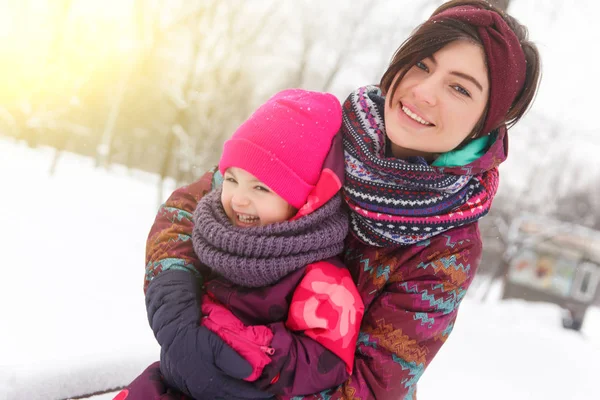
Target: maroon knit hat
[(505, 58)]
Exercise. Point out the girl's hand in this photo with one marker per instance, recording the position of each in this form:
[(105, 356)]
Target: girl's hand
[(193, 359)]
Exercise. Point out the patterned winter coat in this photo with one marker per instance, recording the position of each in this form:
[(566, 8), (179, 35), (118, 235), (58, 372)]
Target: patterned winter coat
[(411, 294), (411, 297)]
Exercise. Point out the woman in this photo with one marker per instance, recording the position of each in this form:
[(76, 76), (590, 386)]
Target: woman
[(422, 152)]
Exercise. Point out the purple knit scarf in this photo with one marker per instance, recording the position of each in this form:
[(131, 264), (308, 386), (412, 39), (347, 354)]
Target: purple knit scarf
[(398, 202), (260, 256)]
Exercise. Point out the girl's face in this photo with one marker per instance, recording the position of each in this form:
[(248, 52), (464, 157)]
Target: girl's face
[(438, 102), (249, 202)]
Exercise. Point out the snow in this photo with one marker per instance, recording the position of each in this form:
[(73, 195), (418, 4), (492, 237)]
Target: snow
[(73, 268), (73, 256), (72, 307), (515, 350), (106, 396)]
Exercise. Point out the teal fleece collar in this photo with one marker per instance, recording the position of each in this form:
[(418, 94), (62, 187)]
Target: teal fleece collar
[(466, 155)]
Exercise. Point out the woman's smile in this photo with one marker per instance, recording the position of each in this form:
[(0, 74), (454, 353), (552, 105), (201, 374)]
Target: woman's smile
[(413, 116)]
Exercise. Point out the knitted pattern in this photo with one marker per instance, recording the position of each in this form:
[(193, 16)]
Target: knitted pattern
[(260, 256), (402, 202)]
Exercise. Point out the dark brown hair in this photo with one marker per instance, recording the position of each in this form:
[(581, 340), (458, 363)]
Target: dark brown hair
[(430, 37)]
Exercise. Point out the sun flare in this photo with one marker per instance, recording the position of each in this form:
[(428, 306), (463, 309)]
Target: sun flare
[(47, 45)]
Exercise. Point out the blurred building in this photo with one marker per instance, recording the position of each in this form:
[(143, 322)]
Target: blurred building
[(552, 261)]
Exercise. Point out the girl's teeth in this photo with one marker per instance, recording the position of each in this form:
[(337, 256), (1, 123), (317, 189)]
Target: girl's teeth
[(414, 116), (247, 218)]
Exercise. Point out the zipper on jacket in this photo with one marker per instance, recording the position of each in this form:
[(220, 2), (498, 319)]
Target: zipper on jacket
[(269, 350), (265, 349)]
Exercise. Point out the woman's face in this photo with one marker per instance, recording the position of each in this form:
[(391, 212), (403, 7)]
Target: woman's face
[(439, 101)]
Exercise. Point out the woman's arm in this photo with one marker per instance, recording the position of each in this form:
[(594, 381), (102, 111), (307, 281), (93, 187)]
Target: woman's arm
[(169, 244), (412, 302)]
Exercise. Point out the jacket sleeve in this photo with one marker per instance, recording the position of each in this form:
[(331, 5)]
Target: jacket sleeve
[(412, 304), (193, 359), (299, 365), (327, 307), (169, 244), (314, 349)]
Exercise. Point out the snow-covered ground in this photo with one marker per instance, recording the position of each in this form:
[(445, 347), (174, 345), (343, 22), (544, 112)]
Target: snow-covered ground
[(72, 306), (515, 350), (73, 317), (71, 303)]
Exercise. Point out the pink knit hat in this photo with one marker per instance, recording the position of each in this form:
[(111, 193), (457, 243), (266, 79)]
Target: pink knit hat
[(285, 142)]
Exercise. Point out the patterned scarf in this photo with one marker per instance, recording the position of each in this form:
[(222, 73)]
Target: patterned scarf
[(260, 256), (402, 202)]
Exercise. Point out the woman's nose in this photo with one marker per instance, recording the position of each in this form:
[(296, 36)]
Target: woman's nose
[(426, 91)]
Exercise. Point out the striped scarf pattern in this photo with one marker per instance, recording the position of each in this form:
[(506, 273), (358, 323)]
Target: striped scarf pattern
[(402, 202)]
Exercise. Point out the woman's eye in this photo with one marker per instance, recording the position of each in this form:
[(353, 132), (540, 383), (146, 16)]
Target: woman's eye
[(262, 189), (230, 179), (421, 65), (461, 90)]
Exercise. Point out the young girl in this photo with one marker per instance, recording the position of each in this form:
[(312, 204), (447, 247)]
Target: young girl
[(267, 239), (422, 152)]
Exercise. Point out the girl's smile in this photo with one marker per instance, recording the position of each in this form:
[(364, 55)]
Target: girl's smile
[(246, 220)]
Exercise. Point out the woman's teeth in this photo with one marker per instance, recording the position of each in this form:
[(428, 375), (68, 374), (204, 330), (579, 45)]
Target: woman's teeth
[(415, 116), (247, 218)]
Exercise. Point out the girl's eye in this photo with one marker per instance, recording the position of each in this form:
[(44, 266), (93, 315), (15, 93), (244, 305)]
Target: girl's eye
[(262, 189), (421, 65), (230, 179), (461, 90)]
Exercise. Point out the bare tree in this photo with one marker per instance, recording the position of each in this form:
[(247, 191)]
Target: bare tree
[(337, 37), (105, 145), (323, 35), (581, 207), (216, 94)]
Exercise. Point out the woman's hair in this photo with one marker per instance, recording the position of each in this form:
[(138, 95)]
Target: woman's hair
[(431, 36)]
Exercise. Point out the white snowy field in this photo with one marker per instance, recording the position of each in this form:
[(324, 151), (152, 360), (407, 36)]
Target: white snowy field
[(515, 350), (72, 306), (71, 303), (73, 316)]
